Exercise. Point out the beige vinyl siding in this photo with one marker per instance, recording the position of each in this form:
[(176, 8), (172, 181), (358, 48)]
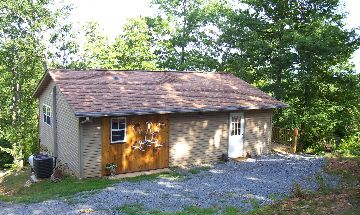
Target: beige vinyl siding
[(257, 139), (91, 148), (68, 135), (45, 131), (67, 129), (197, 138)]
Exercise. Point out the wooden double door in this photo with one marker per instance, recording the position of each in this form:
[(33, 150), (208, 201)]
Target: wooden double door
[(146, 146)]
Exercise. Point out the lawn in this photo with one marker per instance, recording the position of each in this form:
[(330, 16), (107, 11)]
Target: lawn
[(13, 186)]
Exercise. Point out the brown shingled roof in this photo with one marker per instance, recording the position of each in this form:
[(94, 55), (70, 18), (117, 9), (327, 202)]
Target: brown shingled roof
[(100, 92)]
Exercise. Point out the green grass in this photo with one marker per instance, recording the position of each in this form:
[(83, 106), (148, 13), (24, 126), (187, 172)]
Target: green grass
[(138, 209), (13, 182), (46, 189), (131, 209), (12, 185), (197, 170)]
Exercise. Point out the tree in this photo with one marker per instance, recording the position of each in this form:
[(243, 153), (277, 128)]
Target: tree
[(63, 48), (97, 52), (189, 34), (299, 52), (22, 63), (132, 48)]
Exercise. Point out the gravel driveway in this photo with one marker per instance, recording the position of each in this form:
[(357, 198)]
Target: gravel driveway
[(229, 184)]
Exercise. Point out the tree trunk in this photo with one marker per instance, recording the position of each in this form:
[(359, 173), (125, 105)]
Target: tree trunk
[(182, 58), (16, 111), (306, 97)]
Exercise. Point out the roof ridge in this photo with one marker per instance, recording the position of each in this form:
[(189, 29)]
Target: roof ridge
[(119, 70)]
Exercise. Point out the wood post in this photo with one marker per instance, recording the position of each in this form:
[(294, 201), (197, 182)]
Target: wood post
[(294, 144)]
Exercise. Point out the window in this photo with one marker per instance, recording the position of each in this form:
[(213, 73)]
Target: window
[(118, 130), (47, 114), (235, 125)]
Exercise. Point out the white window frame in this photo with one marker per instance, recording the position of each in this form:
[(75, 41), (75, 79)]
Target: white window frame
[(119, 129), (46, 114)]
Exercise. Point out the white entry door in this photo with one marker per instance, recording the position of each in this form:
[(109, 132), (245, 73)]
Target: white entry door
[(236, 135)]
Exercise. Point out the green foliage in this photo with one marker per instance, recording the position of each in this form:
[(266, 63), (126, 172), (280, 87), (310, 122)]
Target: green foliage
[(188, 34), (255, 204), (135, 209), (351, 144), (97, 53), (5, 158), (132, 49), (62, 47), (348, 146), (23, 24), (297, 51), (132, 209), (197, 170), (232, 211), (323, 186)]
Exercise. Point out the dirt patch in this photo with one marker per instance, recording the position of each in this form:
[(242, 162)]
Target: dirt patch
[(283, 149), (12, 182), (347, 165), (334, 203)]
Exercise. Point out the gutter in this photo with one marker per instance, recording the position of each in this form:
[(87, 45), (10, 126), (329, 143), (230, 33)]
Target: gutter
[(81, 157), (176, 110)]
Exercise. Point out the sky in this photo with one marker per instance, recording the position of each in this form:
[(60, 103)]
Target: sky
[(112, 15)]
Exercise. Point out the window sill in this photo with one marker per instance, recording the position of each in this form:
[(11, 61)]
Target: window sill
[(118, 142), (47, 124)]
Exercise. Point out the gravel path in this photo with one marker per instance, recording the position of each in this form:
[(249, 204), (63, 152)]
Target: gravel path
[(230, 184)]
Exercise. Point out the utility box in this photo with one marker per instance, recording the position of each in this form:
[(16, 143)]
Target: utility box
[(43, 165)]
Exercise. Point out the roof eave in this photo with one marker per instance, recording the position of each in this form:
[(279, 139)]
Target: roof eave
[(41, 85), (168, 111)]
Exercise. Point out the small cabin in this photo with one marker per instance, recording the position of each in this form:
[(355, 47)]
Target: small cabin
[(146, 120)]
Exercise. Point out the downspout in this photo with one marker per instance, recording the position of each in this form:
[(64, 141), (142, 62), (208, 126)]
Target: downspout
[(38, 125), (54, 123), (81, 150)]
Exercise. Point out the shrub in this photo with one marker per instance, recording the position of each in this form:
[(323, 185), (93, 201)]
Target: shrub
[(5, 158), (351, 144)]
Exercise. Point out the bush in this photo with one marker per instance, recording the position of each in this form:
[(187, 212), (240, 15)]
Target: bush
[(321, 146), (351, 144), (5, 158)]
